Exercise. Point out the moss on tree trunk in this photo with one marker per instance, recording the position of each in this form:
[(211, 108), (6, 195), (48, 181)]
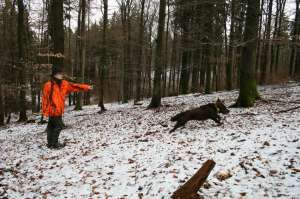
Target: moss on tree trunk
[(248, 89)]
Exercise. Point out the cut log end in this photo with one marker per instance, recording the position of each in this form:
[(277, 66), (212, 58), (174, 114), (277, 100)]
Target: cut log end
[(191, 187)]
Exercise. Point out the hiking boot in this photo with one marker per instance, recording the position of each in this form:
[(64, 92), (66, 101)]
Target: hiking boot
[(56, 146), (59, 145)]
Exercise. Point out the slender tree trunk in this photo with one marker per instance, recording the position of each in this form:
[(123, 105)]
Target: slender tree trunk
[(202, 68), (126, 25), (156, 97), (266, 61), (281, 15), (21, 56), (82, 53), (69, 48), (260, 44), (103, 57), (248, 89), (196, 72), (77, 51), (166, 51), (140, 53), (149, 69), (1, 105), (184, 22), (185, 71), (229, 68), (295, 58), (174, 59), (56, 18), (273, 47), (241, 7), (33, 93), (209, 6)]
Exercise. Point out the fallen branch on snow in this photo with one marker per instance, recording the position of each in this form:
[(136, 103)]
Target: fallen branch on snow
[(287, 110), (275, 100), (190, 188)]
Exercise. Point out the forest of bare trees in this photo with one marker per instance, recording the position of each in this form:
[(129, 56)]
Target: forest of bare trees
[(136, 49)]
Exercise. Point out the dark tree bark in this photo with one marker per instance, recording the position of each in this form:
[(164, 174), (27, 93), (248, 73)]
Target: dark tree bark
[(1, 105), (166, 52), (282, 4), (69, 48), (248, 89), (184, 22), (126, 6), (140, 53), (196, 70), (295, 59), (190, 189), (208, 39), (260, 44), (156, 96), (174, 59), (82, 53), (232, 49), (241, 8), (266, 61), (21, 63), (103, 66), (57, 33)]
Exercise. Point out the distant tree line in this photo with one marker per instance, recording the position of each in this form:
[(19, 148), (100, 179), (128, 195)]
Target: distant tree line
[(145, 48)]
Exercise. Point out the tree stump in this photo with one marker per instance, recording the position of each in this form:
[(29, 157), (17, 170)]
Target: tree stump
[(190, 188)]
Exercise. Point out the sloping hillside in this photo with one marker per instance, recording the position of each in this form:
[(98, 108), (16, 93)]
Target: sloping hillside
[(127, 151)]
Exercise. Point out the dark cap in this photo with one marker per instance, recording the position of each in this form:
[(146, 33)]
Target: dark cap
[(56, 70)]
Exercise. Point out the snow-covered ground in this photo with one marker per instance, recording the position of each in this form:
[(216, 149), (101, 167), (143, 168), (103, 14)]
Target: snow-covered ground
[(127, 152)]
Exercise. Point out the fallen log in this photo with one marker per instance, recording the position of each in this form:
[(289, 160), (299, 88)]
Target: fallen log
[(191, 187), (287, 110)]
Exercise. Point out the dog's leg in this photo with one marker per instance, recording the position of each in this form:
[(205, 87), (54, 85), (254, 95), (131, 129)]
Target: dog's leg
[(178, 124), (217, 119)]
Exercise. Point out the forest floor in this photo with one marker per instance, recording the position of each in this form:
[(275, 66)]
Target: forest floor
[(127, 151)]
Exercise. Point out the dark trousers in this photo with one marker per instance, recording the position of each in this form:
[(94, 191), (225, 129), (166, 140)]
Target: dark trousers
[(55, 125)]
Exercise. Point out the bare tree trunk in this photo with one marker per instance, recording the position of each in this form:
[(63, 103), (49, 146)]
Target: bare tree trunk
[(69, 48), (282, 4), (248, 89), (140, 53), (174, 59), (82, 53), (196, 68), (21, 56), (260, 44), (266, 61), (125, 6), (1, 107), (295, 58), (56, 26), (231, 58), (208, 55), (184, 22), (103, 65), (166, 51), (156, 97)]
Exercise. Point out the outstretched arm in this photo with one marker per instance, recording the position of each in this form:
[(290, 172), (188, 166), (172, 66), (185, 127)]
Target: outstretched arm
[(78, 87)]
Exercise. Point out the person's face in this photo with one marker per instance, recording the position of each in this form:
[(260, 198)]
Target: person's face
[(59, 76)]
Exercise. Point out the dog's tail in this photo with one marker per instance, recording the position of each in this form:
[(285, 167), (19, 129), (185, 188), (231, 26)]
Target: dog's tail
[(176, 117)]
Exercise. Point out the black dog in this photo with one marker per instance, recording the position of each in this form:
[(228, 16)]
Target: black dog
[(209, 111)]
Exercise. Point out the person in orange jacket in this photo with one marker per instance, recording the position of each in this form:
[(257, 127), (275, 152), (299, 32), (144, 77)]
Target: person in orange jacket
[(53, 104)]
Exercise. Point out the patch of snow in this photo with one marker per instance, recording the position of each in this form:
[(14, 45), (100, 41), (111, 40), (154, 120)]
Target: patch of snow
[(128, 151)]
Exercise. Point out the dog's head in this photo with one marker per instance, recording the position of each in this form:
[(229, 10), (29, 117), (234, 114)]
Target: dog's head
[(221, 106)]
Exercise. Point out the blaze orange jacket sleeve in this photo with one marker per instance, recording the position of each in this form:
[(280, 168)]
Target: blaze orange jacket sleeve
[(45, 99), (77, 87)]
